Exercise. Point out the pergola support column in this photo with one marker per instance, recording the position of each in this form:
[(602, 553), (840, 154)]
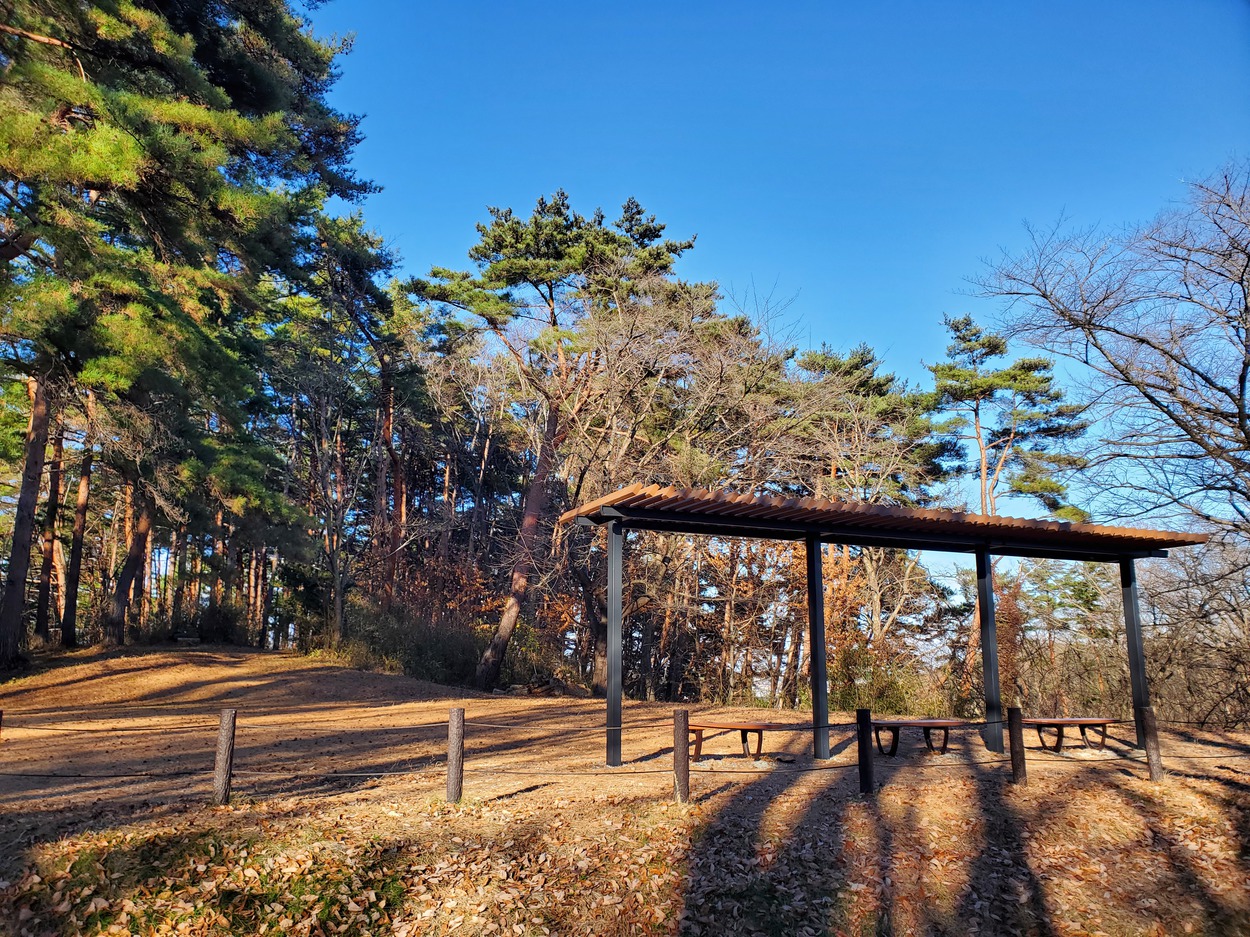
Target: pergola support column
[(1136, 651), (989, 653), (616, 538), (816, 643)]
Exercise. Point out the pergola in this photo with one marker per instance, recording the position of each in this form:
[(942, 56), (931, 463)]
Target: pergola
[(817, 521)]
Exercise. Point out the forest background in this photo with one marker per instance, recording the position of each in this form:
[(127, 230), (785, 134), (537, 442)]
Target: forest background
[(228, 413)]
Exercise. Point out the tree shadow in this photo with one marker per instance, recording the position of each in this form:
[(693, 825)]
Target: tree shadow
[(1221, 913), (1003, 894), (771, 860)]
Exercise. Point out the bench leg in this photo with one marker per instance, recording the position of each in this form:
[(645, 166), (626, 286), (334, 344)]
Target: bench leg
[(928, 738), (1084, 737), (759, 742), (698, 743), (1102, 741), (893, 741), (746, 749), (1058, 746)]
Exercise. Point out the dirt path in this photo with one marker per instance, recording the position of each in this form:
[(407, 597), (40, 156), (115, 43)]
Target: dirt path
[(778, 845)]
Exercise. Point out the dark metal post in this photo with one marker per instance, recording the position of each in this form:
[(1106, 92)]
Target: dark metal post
[(223, 768), (816, 644), (616, 536), (1145, 716), (681, 755), (989, 654), (455, 756), (863, 738), (1015, 727), (1136, 651)]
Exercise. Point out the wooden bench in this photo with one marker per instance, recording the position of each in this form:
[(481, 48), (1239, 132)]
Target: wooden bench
[(1058, 723), (759, 728), (895, 725)]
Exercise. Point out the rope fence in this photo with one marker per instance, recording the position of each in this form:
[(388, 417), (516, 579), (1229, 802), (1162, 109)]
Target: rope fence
[(224, 771)]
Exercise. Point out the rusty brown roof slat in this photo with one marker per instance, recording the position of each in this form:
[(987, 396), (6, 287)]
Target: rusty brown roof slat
[(694, 503)]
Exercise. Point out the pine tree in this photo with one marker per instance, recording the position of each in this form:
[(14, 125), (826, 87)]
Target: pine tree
[(537, 281), (157, 162), (1012, 418)]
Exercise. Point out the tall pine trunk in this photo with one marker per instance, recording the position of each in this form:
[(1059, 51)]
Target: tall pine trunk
[(489, 667), (398, 519), (141, 589), (14, 601), (115, 619), (56, 493), (176, 616)]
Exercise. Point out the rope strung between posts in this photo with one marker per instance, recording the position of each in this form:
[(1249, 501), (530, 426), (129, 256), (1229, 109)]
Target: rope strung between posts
[(51, 728), (609, 773), (98, 707), (580, 728), (161, 774), (327, 774), (576, 730), (253, 724)]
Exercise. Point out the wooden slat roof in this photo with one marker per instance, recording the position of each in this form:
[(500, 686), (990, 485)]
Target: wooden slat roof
[(724, 513)]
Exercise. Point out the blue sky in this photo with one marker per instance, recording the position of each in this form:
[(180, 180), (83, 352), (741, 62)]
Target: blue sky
[(860, 161)]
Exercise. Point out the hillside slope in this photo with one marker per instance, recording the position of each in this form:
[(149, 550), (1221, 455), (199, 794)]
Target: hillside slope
[(338, 822)]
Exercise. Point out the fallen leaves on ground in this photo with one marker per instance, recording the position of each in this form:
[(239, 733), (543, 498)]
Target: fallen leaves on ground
[(552, 842)]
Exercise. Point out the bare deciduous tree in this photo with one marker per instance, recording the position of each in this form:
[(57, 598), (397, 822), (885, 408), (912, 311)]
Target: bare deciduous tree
[(1160, 315)]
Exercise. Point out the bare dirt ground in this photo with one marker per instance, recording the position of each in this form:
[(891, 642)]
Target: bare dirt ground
[(105, 763)]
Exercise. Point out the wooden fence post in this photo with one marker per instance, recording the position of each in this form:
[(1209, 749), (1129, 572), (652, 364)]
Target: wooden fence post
[(681, 755), (1146, 719), (1015, 731), (863, 726), (223, 768), (455, 756)]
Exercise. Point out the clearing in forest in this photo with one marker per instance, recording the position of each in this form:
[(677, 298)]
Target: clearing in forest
[(550, 841)]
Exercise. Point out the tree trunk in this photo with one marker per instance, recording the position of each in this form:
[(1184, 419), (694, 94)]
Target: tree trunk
[(58, 570), (479, 508), (196, 581), (11, 606), (387, 532), (597, 630), (115, 619), (337, 608), (269, 603), (217, 568), (138, 611), (170, 580), (491, 664), (794, 654), (399, 519), (180, 580), (56, 493)]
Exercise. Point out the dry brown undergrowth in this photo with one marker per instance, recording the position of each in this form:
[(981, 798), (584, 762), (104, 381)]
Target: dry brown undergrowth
[(548, 840)]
